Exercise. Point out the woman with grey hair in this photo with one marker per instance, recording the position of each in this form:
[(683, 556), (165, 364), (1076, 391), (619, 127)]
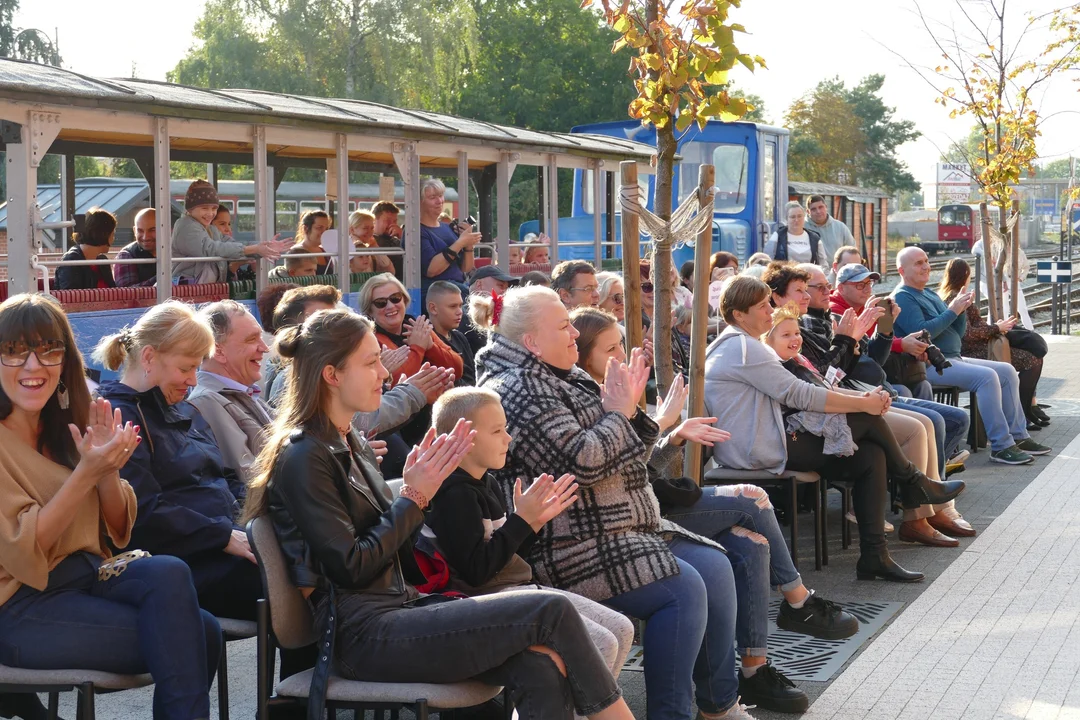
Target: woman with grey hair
[(444, 254)]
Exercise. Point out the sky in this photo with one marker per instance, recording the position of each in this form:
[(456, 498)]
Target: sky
[(801, 42)]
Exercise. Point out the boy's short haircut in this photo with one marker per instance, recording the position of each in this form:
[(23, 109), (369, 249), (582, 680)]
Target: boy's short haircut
[(384, 206), (459, 403), (296, 255), (442, 287)]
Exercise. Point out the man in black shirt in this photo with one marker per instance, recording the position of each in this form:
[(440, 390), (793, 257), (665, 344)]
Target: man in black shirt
[(445, 310), (388, 233)]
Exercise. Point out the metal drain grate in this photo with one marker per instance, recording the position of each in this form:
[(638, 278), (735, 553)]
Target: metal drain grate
[(801, 657)]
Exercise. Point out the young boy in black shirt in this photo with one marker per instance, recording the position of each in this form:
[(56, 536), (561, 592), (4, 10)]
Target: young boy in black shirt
[(483, 544)]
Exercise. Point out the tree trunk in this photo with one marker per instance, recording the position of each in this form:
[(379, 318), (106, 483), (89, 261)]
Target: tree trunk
[(661, 266), (988, 262), (999, 264)]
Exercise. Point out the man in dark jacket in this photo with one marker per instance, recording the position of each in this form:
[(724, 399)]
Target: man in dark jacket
[(144, 247)]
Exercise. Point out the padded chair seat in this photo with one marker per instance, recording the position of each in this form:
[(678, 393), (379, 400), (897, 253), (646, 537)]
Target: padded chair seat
[(448, 697), (101, 680), (751, 475), (238, 629)]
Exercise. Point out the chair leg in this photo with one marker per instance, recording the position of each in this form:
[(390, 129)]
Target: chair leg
[(421, 708), (976, 421), (823, 488), (845, 505), (223, 680), (54, 705), (263, 675), (86, 701), (817, 528), (794, 522)]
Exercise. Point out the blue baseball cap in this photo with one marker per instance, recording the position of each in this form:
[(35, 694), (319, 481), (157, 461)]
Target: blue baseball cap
[(855, 273)]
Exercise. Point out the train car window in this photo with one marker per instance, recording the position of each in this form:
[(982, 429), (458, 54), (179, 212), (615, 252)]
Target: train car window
[(245, 217), (285, 217), (732, 167), (768, 210), (587, 191)]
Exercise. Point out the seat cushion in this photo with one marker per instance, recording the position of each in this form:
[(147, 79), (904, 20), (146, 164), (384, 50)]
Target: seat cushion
[(238, 629), (101, 680), (722, 476), (449, 696)]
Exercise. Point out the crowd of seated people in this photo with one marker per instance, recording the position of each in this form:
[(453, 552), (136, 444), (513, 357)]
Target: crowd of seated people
[(509, 407)]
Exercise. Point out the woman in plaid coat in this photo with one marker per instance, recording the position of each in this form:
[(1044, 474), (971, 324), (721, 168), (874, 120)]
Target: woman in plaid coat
[(612, 545)]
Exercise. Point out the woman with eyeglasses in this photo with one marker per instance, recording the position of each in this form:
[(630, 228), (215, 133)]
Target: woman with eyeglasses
[(384, 299), (65, 602)]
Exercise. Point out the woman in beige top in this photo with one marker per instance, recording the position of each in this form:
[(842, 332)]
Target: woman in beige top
[(65, 601)]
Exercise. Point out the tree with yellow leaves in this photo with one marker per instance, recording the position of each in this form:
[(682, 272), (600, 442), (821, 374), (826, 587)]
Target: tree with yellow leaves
[(684, 53), (985, 75)]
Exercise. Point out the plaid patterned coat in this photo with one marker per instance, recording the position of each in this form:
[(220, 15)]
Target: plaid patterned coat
[(612, 540)]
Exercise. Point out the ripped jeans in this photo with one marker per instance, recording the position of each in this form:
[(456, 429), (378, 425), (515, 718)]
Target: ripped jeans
[(740, 518)]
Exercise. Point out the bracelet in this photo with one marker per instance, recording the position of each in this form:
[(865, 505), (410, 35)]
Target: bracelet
[(410, 493)]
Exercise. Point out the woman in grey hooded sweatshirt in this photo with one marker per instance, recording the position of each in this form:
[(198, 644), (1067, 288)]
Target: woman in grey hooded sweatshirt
[(746, 389)]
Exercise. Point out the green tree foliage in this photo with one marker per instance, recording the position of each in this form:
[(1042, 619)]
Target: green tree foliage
[(1054, 169), (24, 44), (410, 53), (841, 133), (757, 107)]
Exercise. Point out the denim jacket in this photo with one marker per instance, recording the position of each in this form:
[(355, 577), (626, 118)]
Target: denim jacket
[(187, 505)]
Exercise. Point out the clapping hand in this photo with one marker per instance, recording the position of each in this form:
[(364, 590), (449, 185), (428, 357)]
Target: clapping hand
[(393, 359), (418, 331), (866, 320), (846, 326), (545, 499), (108, 442), (670, 408), (377, 446), (432, 461), (275, 248), (431, 380), (1006, 325), (701, 430)]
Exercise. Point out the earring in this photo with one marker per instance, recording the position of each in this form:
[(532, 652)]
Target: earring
[(62, 398)]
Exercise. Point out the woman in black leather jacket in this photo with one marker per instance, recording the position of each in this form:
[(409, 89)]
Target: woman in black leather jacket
[(348, 544)]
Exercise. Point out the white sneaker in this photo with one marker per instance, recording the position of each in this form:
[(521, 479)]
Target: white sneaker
[(958, 458), (738, 711), (850, 517)]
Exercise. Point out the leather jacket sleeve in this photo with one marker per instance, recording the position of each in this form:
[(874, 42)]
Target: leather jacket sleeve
[(351, 556)]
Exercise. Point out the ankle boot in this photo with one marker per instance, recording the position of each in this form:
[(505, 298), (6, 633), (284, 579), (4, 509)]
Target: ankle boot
[(877, 563), (921, 490)]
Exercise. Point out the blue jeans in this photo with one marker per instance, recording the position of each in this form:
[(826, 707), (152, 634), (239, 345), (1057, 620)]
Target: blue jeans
[(147, 619), (950, 425), (740, 518), (694, 609), (998, 387)]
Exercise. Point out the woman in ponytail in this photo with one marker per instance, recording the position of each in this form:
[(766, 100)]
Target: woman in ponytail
[(317, 480)]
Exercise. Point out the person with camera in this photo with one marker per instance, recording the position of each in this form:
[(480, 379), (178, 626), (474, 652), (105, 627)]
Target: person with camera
[(444, 253), (997, 384), (944, 426)]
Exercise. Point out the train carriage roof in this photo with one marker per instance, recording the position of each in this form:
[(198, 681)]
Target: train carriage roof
[(20, 80)]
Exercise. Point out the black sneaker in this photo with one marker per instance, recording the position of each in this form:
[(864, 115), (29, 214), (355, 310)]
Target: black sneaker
[(770, 690), (819, 618)]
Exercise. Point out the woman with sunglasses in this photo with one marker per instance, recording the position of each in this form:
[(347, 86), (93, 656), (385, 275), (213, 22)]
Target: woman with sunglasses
[(64, 601), (384, 299), (612, 294)]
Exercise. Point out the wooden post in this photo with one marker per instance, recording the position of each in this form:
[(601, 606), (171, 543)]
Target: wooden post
[(883, 224), (988, 258), (1014, 289), (631, 254), (699, 328)]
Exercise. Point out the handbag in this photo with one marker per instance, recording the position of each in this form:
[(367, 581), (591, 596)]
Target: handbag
[(997, 348), (1024, 339)]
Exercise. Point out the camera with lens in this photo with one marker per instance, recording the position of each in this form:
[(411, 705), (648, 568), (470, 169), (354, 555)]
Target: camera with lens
[(456, 224), (934, 354)]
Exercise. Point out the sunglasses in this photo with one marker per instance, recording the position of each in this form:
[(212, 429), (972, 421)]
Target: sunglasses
[(395, 299), (49, 352), (646, 287), (617, 298)]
